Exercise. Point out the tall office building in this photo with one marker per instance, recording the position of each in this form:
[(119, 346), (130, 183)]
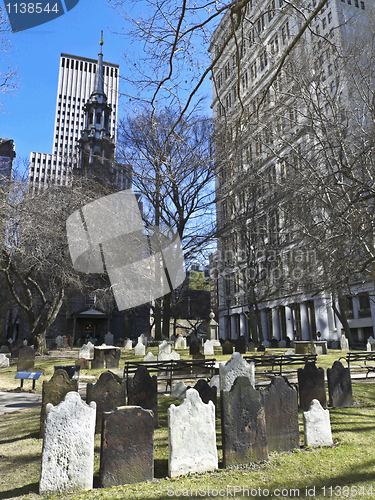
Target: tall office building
[(275, 99), (76, 83)]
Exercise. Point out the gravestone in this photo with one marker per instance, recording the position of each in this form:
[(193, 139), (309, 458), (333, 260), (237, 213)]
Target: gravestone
[(215, 382), (108, 338), (208, 348), (311, 385), (289, 352), (26, 359), (108, 394), (280, 402), (368, 347), (112, 358), (251, 347), (54, 391), (174, 355), (139, 349), (97, 364), (243, 424), (4, 361), (235, 367), (4, 349), (164, 347), (318, 350), (128, 345), (59, 342), (371, 341), (127, 446), (266, 344), (317, 426), (344, 343), (199, 355), (227, 348), (143, 391), (87, 351), (150, 357), (68, 446), (180, 342), (144, 339), (192, 436), (206, 392), (339, 386), (83, 363), (282, 344), (240, 345), (194, 347), (179, 390)]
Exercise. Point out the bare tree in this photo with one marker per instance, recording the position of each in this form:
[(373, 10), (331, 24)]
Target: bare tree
[(171, 168), (8, 76)]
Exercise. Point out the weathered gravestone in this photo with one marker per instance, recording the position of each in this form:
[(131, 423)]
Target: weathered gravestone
[(127, 446), (87, 351), (227, 348), (108, 339), (26, 359), (243, 424), (68, 446), (97, 364), (108, 394), (180, 342), (235, 367), (240, 345), (179, 390), (208, 348), (54, 391), (143, 391), (194, 347), (206, 393), (164, 347), (311, 385), (344, 343), (4, 361), (282, 343), (139, 349), (59, 342), (280, 402), (192, 436), (317, 426), (83, 363), (112, 358), (215, 382), (339, 386), (128, 345), (150, 357), (144, 339)]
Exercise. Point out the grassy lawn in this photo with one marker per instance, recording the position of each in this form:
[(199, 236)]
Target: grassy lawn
[(346, 470)]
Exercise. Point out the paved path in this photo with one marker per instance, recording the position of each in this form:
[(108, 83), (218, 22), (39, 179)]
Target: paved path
[(13, 401)]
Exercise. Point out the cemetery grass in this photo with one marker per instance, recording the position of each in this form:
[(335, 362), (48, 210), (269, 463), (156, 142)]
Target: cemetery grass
[(345, 470)]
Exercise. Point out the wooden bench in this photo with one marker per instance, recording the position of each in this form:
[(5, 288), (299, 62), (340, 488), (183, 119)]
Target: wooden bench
[(276, 363), (173, 370), (361, 357), (28, 376)]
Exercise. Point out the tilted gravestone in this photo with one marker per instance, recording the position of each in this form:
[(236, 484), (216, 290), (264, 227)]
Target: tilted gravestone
[(311, 385), (227, 348), (179, 390), (235, 367), (127, 446), (339, 386), (192, 436), (26, 359), (317, 426), (240, 345), (108, 394), (143, 391), (206, 392), (54, 391), (243, 424), (68, 446), (86, 351), (280, 402)]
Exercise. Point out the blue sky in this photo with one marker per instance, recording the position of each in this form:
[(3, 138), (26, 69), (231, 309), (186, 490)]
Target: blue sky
[(28, 116)]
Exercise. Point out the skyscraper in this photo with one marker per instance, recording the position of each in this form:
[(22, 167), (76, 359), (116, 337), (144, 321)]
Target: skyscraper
[(76, 83)]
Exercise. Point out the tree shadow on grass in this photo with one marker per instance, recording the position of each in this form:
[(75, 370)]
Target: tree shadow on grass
[(17, 492)]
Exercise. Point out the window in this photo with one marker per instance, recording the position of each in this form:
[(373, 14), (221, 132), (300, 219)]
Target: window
[(329, 17), (363, 5), (285, 33), (330, 69), (263, 60), (275, 46), (253, 71), (324, 23)]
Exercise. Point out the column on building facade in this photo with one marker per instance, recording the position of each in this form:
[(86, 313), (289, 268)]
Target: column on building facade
[(305, 326), (289, 322), (276, 333), (222, 326), (264, 322), (355, 307), (332, 323), (321, 318), (243, 325), (233, 326)]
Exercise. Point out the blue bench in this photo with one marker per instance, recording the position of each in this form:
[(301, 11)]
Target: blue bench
[(28, 376)]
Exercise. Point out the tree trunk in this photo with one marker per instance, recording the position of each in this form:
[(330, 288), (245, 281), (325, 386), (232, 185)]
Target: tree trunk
[(157, 321), (166, 314), (39, 342), (343, 319)]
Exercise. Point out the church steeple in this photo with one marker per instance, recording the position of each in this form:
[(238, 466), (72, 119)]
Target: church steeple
[(96, 144)]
